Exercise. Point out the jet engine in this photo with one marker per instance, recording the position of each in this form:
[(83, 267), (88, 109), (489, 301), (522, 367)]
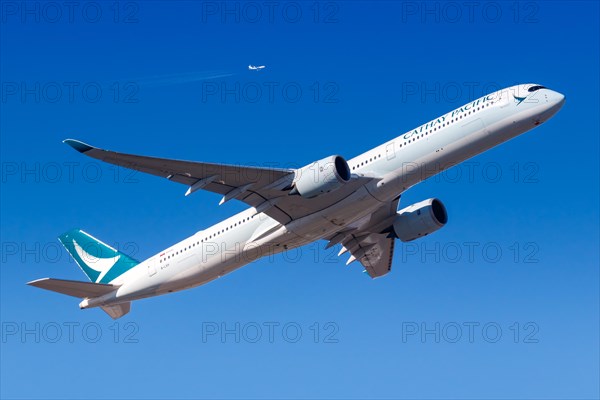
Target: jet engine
[(420, 220), (321, 177)]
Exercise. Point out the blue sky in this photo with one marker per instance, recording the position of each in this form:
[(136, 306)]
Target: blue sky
[(501, 303)]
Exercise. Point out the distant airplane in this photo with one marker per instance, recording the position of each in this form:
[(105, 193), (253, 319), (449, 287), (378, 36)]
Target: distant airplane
[(256, 68), (353, 203)]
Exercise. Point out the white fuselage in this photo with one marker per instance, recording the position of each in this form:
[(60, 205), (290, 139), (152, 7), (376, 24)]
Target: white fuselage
[(402, 162)]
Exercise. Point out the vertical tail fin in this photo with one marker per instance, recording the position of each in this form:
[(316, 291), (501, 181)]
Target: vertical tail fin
[(100, 262)]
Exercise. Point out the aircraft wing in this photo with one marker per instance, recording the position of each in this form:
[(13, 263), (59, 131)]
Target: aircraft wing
[(74, 288), (266, 189), (370, 243), (374, 252)]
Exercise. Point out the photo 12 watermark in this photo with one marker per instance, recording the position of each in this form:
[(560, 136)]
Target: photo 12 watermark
[(71, 172), (69, 332), (270, 332), (470, 332), (470, 12), (53, 252), (69, 12), (445, 92), (270, 92), (469, 252), (471, 172), (69, 92), (270, 12)]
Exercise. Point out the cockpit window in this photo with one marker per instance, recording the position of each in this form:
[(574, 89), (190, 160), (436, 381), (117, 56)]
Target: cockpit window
[(534, 88)]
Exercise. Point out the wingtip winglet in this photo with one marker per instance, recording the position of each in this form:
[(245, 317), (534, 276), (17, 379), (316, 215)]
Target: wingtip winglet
[(35, 281), (78, 145)]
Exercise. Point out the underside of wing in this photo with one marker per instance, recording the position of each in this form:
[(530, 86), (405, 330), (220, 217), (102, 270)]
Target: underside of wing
[(370, 243), (266, 189), (373, 251)]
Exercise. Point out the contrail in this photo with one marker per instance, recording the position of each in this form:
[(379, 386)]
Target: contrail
[(177, 79)]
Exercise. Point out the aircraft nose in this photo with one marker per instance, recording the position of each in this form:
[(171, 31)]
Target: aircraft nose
[(557, 99)]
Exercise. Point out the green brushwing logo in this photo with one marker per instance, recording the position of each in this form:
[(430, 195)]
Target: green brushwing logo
[(518, 99), (100, 262)]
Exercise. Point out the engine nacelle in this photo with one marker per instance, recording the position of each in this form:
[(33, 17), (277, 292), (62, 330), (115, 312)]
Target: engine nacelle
[(420, 220), (321, 177)]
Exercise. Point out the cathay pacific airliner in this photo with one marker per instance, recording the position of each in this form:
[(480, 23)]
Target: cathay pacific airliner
[(353, 203)]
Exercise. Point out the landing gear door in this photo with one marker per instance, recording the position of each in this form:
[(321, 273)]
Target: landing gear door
[(151, 267)]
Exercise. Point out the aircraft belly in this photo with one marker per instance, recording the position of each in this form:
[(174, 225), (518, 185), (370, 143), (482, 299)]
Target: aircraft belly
[(336, 217)]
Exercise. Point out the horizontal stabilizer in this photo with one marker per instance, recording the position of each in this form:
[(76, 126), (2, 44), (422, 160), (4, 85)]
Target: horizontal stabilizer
[(118, 310), (74, 288)]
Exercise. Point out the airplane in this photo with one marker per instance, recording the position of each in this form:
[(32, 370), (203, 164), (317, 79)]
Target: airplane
[(256, 68), (353, 203)]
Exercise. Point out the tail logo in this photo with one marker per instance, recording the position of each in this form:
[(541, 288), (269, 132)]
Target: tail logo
[(100, 265)]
